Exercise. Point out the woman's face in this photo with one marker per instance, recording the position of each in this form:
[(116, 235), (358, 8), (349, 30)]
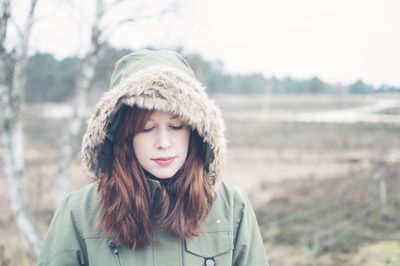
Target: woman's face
[(162, 146)]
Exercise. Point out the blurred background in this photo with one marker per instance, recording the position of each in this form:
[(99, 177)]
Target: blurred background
[(309, 90)]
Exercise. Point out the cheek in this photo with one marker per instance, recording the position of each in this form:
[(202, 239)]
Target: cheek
[(139, 146), (184, 143)]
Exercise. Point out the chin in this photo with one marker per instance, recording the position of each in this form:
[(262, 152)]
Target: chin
[(164, 174)]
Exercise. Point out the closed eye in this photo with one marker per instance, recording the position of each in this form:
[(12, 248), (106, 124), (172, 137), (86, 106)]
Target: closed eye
[(148, 129), (177, 127)]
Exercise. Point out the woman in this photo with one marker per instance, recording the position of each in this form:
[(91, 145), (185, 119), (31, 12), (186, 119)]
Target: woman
[(155, 146)]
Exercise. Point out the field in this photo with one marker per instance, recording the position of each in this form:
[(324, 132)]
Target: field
[(322, 173)]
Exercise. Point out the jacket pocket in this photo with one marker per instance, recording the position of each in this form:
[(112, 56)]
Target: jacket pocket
[(217, 246)]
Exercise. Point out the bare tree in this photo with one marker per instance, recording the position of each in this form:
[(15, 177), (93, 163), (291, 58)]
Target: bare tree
[(100, 33), (12, 104), (83, 80)]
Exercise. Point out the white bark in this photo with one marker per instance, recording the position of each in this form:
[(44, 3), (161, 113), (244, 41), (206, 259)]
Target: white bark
[(12, 98), (82, 85), (5, 14), (18, 202), (383, 193), (13, 172), (74, 127)]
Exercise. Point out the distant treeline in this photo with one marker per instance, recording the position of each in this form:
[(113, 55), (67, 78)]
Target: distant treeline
[(53, 80)]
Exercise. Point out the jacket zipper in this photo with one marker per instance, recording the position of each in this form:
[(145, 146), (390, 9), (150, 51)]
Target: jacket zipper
[(81, 258), (115, 250)]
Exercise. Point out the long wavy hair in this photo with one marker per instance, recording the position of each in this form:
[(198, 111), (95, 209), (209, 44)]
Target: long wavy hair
[(131, 207)]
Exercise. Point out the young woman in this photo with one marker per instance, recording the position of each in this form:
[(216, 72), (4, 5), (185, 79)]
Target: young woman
[(155, 146)]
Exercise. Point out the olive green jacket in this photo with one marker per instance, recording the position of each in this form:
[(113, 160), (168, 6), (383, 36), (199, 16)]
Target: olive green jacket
[(230, 236)]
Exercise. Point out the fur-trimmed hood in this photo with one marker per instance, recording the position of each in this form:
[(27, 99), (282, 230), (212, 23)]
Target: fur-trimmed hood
[(154, 80)]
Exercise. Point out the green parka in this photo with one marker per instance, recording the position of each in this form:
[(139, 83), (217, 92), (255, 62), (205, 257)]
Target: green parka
[(155, 80), (230, 236)]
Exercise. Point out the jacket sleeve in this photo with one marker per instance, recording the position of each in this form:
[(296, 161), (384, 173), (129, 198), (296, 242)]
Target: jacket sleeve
[(249, 248), (63, 244)]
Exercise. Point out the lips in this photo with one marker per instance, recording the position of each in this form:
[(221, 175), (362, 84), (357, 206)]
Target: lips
[(164, 161)]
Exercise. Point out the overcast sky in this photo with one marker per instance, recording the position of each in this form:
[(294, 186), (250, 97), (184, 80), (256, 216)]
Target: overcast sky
[(336, 40)]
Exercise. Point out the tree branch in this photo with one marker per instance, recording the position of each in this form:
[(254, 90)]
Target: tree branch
[(5, 15), (112, 4), (111, 29)]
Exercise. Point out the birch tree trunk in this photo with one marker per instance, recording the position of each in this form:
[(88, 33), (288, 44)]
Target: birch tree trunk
[(12, 98), (83, 82)]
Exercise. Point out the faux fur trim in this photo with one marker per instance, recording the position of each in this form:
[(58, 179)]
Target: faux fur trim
[(160, 88)]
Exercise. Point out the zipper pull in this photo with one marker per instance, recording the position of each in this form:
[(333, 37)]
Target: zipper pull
[(113, 247)]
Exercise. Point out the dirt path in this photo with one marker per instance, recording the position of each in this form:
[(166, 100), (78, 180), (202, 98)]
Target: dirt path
[(365, 114)]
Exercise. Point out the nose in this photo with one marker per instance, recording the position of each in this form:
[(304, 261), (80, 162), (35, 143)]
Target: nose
[(163, 139)]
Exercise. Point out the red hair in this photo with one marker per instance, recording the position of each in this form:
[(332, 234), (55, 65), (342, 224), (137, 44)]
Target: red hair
[(132, 207)]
